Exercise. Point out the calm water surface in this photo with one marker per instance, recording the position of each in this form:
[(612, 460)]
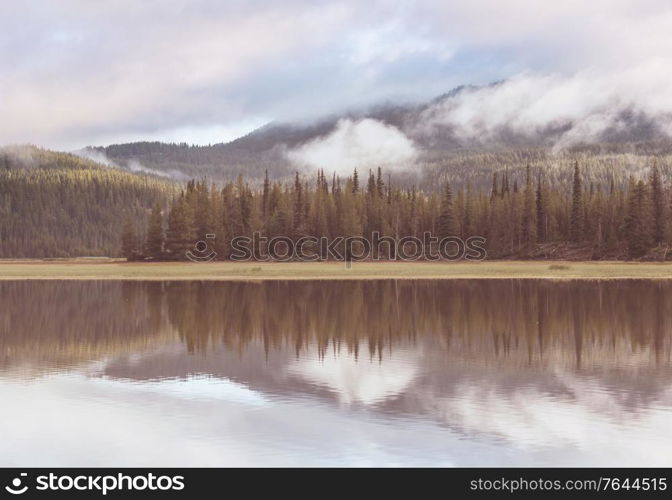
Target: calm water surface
[(491, 372)]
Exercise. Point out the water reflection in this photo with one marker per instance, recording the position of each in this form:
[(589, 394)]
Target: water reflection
[(490, 372)]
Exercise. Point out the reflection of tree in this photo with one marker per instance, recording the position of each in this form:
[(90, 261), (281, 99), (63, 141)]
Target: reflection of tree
[(526, 322), (62, 321)]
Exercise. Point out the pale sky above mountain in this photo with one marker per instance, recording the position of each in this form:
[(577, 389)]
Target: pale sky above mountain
[(74, 72)]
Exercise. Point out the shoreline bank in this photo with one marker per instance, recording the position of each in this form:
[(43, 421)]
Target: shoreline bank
[(83, 269)]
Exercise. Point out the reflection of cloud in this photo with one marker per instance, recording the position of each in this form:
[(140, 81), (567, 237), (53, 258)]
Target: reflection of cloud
[(588, 420), (362, 144), (362, 380), (196, 388), (71, 420), (467, 415)]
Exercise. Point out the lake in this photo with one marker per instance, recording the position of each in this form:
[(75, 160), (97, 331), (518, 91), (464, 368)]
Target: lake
[(356, 373)]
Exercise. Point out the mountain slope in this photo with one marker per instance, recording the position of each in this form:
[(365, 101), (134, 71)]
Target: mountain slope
[(59, 205), (438, 131)]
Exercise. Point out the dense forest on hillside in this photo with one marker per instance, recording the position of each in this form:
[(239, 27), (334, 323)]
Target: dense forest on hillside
[(533, 205), (219, 162), (536, 215), (459, 166), (59, 205), (441, 148)]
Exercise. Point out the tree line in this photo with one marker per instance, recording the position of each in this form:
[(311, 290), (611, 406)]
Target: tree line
[(521, 216)]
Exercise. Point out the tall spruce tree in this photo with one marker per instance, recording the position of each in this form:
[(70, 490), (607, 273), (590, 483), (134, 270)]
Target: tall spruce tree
[(265, 196), (542, 223), (299, 228), (638, 237), (576, 221), (129, 240), (657, 206), (527, 224), (180, 234), (494, 190), (155, 235), (447, 222)]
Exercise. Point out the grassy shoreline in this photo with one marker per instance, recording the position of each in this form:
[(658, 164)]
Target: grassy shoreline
[(85, 269)]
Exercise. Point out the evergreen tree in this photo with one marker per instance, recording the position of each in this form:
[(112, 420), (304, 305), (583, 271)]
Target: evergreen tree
[(658, 206), (201, 208), (469, 215), (265, 196), (505, 184), (541, 211), (129, 240), (299, 210), (179, 236), (494, 190), (527, 226), (371, 188), (637, 231), (155, 236), (380, 185), (447, 223), (576, 222)]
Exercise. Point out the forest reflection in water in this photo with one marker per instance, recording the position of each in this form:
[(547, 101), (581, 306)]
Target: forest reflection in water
[(485, 359)]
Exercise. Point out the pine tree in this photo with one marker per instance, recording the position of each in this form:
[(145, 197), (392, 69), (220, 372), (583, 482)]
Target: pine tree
[(657, 206), (155, 236), (637, 232), (371, 189), (380, 185), (541, 211), (203, 215), (494, 191), (265, 196), (527, 226), (179, 236), (469, 216), (576, 222), (299, 209), (129, 240), (447, 222), (505, 184)]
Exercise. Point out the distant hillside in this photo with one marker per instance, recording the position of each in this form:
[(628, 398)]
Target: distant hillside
[(439, 145), (59, 205)]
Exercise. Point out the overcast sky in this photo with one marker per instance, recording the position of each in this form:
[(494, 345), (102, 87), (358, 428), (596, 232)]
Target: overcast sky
[(76, 72)]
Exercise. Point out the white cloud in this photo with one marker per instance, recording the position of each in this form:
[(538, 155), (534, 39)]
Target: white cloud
[(132, 165), (359, 144), (95, 155), (74, 73), (587, 103), (142, 67)]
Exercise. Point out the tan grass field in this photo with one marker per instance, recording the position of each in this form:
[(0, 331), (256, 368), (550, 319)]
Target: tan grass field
[(85, 269)]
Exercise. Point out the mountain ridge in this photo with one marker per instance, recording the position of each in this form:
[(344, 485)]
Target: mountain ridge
[(435, 135)]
